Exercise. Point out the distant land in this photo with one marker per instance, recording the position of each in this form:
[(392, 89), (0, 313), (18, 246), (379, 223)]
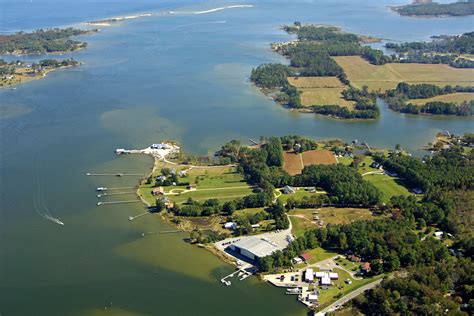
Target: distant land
[(333, 73), (428, 8), (49, 41)]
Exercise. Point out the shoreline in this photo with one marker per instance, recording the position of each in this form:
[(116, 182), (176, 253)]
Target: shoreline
[(36, 77)]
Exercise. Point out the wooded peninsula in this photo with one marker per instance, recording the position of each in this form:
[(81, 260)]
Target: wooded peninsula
[(331, 72), (434, 9), (42, 42)]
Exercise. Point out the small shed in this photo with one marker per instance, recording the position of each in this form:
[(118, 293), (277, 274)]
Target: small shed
[(306, 256)]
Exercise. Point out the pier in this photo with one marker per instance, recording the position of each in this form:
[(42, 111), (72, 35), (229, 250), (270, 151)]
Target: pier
[(110, 189), (117, 202), (131, 218), (242, 273), (116, 193), (119, 174)]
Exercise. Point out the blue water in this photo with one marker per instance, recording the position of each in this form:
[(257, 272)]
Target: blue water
[(182, 77)]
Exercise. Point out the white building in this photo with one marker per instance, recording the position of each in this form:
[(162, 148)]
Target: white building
[(309, 275), (230, 225), (254, 247)]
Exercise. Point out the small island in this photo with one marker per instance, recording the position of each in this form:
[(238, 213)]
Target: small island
[(332, 73), (327, 220), (429, 8), (51, 41), (18, 72)]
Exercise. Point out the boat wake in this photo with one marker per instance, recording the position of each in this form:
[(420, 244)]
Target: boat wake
[(40, 207)]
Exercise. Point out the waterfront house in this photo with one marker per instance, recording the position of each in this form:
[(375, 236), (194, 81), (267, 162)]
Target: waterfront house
[(158, 191)]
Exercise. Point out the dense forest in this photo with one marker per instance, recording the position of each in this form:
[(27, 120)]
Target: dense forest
[(459, 8), (42, 41), (398, 99)]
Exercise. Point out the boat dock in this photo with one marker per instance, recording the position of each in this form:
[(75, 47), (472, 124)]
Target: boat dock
[(116, 193), (242, 273), (118, 174), (117, 202)]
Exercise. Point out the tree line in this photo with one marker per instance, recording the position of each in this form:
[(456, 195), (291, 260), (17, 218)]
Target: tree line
[(398, 99)]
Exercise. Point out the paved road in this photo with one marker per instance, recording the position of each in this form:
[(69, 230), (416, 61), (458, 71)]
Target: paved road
[(349, 297)]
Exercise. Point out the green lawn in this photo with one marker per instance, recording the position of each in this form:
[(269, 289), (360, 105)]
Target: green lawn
[(364, 166), (327, 297), (345, 160), (319, 254), (387, 185), (300, 193), (220, 183)]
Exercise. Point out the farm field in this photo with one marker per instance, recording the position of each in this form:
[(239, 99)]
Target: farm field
[(304, 219), (384, 77), (294, 164), (320, 91), (453, 97), (388, 185)]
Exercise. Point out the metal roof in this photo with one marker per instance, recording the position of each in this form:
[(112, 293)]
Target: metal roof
[(259, 246)]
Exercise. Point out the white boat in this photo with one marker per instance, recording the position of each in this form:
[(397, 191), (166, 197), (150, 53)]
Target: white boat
[(101, 189)]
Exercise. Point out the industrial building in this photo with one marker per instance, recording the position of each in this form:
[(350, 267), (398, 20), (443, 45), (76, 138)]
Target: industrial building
[(254, 247)]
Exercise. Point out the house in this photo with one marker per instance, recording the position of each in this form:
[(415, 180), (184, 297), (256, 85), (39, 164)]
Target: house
[(333, 275), (288, 190), (354, 258), (306, 256), (230, 225), (255, 225), (439, 234), (169, 205), (416, 191), (191, 187), (309, 276), (297, 260), (365, 267), (158, 191), (311, 189), (161, 178)]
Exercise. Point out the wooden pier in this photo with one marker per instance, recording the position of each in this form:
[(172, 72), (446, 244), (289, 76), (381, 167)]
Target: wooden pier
[(118, 174), (117, 202)]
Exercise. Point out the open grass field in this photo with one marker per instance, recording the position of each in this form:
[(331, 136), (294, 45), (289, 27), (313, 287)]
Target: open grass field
[(388, 185), (319, 254), (387, 76), (304, 219), (221, 183), (298, 195), (453, 97), (294, 164), (320, 91)]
